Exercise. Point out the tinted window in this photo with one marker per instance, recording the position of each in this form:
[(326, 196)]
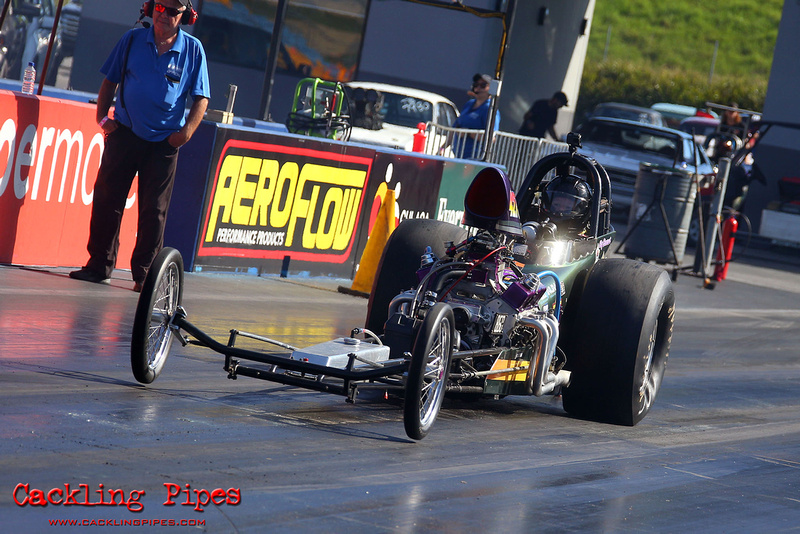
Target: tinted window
[(632, 138), (320, 38), (446, 115), (690, 148), (614, 112), (404, 110)]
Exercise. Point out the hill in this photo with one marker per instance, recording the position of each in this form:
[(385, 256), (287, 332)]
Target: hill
[(668, 50), (681, 34)]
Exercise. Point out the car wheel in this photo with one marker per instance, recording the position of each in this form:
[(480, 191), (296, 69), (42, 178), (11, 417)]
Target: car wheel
[(152, 334), (397, 270), (428, 372), (620, 342)]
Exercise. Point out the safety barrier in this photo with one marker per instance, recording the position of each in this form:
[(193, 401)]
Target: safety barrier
[(517, 153), (454, 142)]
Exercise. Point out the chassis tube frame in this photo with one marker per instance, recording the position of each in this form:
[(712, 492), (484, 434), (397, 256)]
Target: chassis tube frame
[(283, 361)]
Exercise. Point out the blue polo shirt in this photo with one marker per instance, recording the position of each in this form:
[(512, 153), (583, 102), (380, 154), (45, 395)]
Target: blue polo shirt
[(155, 88), (474, 119)]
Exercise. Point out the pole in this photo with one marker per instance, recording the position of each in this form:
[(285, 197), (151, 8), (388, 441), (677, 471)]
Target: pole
[(272, 61), (713, 62), (715, 216), (50, 47), (508, 22), (608, 42)]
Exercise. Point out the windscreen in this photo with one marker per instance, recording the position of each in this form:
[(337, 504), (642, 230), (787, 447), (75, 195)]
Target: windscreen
[(634, 139)]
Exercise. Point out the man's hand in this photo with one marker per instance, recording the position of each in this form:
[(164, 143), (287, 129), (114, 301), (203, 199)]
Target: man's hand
[(182, 136), (179, 138), (108, 126)]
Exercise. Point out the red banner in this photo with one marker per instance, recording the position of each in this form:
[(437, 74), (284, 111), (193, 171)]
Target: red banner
[(50, 151)]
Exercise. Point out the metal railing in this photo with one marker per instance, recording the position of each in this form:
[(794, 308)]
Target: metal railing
[(517, 153)]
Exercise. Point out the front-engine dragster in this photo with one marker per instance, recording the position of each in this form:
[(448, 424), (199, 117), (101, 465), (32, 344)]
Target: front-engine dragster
[(520, 301)]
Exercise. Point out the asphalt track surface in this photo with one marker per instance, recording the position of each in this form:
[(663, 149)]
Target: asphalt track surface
[(720, 451)]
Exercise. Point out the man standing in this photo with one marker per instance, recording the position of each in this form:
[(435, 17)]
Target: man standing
[(155, 69), (541, 118), (475, 116)]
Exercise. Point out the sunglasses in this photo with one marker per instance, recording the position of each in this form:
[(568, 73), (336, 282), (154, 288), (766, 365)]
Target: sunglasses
[(171, 11), (484, 84)]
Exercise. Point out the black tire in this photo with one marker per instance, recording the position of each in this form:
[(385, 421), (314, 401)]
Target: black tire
[(161, 295), (620, 344), (429, 370), (397, 270)]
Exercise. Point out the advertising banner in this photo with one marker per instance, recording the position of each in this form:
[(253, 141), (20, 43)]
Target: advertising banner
[(273, 197), (50, 151), (415, 182), (456, 179)]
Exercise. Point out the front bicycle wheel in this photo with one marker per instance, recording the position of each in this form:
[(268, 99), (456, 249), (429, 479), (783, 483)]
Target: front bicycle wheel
[(428, 372), (152, 334)]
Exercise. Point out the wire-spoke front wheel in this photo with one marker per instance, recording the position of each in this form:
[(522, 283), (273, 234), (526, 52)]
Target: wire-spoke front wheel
[(428, 372), (152, 334)]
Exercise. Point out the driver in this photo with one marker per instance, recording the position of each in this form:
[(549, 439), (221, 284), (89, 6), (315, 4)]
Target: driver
[(566, 201)]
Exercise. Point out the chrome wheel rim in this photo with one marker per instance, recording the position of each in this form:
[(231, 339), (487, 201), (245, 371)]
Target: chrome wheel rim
[(647, 391), (159, 337), (435, 375)]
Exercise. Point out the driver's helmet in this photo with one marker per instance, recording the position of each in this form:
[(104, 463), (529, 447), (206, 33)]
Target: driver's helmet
[(566, 201)]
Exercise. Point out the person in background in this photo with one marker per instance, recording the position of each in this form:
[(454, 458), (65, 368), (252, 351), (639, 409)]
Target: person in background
[(731, 121), (474, 116), (541, 117), (155, 69), (475, 79)]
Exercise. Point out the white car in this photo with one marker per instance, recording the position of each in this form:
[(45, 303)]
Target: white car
[(393, 121)]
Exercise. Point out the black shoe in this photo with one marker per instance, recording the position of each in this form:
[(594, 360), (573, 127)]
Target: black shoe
[(137, 287), (88, 275)]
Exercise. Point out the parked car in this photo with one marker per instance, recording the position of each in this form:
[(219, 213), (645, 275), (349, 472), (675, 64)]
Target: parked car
[(25, 37), (615, 110), (399, 111), (675, 113), (700, 127), (620, 145)]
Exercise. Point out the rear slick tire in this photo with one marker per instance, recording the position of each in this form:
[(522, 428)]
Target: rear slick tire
[(429, 371), (620, 343), (152, 334), (397, 269)]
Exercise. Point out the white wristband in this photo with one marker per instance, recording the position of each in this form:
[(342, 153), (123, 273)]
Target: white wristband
[(103, 121)]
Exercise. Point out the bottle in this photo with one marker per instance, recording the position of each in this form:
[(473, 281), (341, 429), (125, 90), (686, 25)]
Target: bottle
[(29, 78)]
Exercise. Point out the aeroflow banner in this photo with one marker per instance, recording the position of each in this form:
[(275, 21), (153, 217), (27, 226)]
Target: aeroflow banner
[(268, 201)]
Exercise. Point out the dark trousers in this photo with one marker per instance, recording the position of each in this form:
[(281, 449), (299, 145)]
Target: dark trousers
[(126, 154)]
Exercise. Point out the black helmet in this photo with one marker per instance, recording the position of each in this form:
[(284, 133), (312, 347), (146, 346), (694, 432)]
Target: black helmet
[(566, 201)]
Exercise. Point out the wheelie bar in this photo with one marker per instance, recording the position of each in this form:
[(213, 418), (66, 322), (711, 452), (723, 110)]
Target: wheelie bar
[(283, 361)]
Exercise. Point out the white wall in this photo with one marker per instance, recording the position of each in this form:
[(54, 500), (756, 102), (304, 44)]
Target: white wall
[(544, 59), (440, 49), (778, 153)]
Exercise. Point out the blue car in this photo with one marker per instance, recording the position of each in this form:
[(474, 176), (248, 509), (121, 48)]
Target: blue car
[(621, 145), (616, 110)]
